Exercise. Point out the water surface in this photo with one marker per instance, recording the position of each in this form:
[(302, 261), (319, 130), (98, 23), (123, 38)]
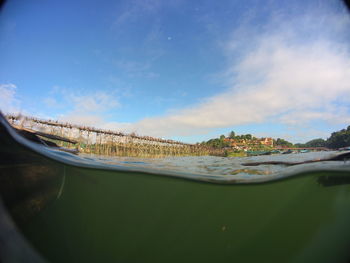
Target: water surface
[(229, 167)]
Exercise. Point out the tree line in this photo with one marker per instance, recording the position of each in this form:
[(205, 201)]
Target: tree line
[(337, 140), (221, 143)]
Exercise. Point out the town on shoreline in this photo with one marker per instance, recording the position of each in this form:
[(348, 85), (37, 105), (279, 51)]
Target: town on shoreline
[(247, 144)]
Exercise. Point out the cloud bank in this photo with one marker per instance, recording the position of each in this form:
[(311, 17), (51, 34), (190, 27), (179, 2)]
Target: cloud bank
[(293, 72)]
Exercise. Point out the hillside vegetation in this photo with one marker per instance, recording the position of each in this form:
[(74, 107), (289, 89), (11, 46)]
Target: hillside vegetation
[(337, 140)]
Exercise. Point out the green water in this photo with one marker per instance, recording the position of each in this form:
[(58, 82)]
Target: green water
[(106, 216), (74, 214)]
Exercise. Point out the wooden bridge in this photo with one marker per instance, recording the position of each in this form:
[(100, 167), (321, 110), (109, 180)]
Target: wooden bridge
[(33, 122), (107, 142)]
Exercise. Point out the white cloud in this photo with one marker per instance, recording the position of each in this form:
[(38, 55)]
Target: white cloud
[(86, 108), (90, 109), (8, 100), (83, 118), (95, 102), (294, 72)]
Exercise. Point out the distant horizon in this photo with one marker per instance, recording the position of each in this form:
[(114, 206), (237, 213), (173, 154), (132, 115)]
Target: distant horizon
[(145, 135), (180, 70)]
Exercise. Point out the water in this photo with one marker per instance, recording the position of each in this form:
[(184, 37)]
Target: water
[(226, 168), (181, 209)]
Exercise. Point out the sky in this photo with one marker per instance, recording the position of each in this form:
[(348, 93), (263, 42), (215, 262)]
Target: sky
[(182, 70)]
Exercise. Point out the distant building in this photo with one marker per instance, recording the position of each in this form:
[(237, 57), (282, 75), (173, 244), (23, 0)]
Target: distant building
[(246, 143), (266, 141)]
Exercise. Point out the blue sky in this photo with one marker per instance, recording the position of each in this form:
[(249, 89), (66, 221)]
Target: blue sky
[(186, 70)]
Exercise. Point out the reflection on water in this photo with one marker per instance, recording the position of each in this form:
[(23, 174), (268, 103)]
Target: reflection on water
[(333, 180), (250, 171)]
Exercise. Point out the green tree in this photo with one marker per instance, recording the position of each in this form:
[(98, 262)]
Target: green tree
[(316, 143), (282, 142), (248, 136), (232, 135), (217, 143), (339, 139)]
